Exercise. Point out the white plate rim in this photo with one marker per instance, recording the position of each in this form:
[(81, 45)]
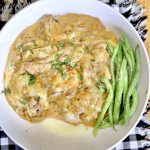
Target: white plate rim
[(142, 43)]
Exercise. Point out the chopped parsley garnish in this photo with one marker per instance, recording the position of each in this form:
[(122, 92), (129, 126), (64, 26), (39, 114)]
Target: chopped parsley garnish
[(22, 74), (23, 48), (57, 56), (20, 46), (58, 65), (34, 43), (80, 77), (54, 19), (81, 68), (22, 102), (74, 65), (66, 62), (63, 74), (60, 45), (6, 91), (31, 51), (32, 79), (38, 98), (71, 43), (93, 60), (87, 49), (101, 87)]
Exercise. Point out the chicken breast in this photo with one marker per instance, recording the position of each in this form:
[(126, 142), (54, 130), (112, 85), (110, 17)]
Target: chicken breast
[(54, 66)]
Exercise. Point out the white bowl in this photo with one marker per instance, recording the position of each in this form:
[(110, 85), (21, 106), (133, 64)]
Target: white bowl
[(37, 137)]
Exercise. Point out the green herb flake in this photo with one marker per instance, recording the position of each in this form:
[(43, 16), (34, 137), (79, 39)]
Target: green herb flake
[(6, 91), (31, 51), (74, 65), (66, 62), (32, 79), (54, 19), (20, 46), (69, 78), (80, 77), (101, 88), (63, 74), (24, 49), (71, 43), (22, 74), (87, 49), (81, 68), (58, 65), (60, 45), (23, 102), (34, 43), (38, 98), (57, 56), (93, 60)]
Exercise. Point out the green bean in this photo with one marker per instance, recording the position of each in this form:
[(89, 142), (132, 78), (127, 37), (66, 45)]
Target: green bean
[(121, 119), (106, 104), (133, 84), (125, 84), (119, 60), (133, 59), (129, 49), (110, 113), (106, 119), (119, 91), (128, 61), (105, 125), (112, 65), (134, 103), (110, 49)]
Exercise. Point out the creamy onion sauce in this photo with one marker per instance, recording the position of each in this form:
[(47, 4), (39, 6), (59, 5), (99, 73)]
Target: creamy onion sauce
[(54, 66)]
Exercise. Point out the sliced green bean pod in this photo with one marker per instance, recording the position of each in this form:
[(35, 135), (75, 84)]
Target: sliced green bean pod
[(112, 65), (110, 49), (132, 85), (125, 84), (105, 125), (119, 60), (112, 71), (119, 92), (129, 49), (133, 106), (125, 52), (134, 103), (108, 101), (110, 114)]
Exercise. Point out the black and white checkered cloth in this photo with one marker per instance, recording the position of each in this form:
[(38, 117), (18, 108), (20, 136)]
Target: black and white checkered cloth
[(139, 139)]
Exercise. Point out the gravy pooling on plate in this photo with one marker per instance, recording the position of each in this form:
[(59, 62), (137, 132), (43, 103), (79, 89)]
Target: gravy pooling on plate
[(53, 68)]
